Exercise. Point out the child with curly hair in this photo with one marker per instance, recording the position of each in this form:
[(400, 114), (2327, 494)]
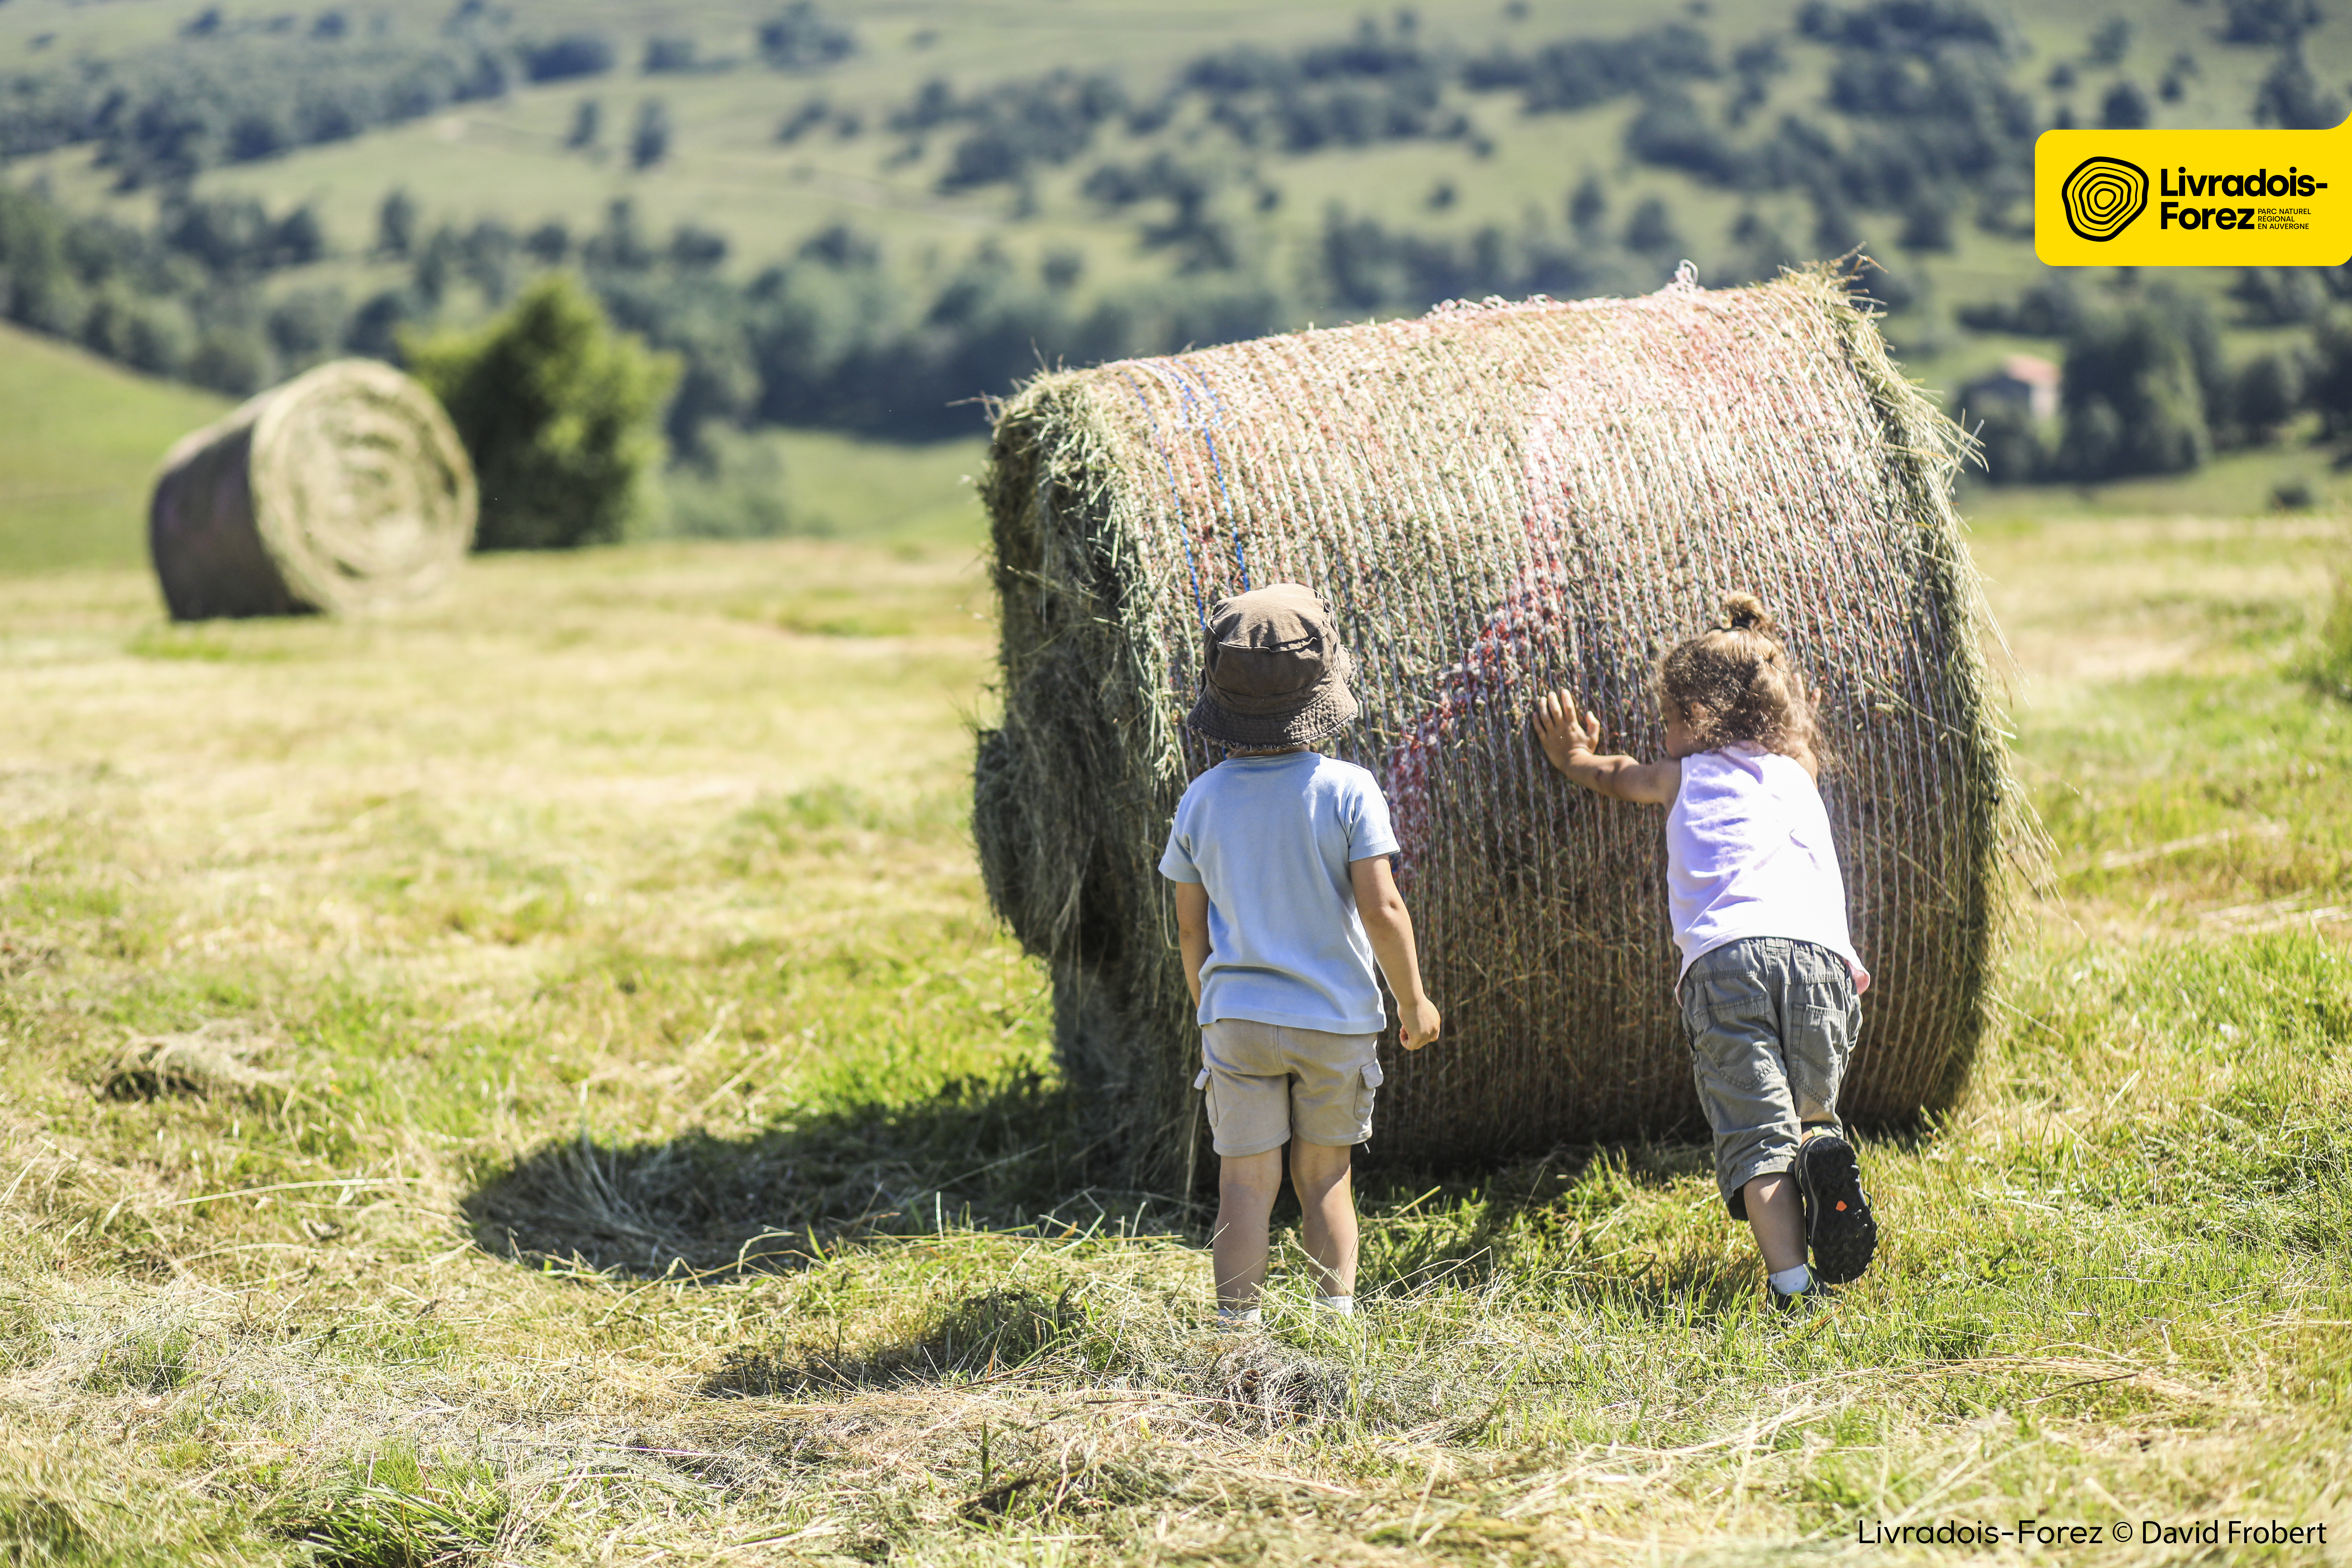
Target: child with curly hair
[(1769, 978)]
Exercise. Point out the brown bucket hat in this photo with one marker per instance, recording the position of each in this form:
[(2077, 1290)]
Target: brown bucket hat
[(1273, 673)]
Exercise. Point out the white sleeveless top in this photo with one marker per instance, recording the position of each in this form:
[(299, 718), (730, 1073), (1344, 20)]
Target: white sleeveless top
[(1748, 854)]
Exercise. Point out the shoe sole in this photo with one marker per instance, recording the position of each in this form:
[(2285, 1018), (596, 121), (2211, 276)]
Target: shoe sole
[(1838, 1226)]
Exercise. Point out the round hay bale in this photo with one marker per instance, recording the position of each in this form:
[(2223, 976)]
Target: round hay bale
[(1496, 500), (343, 489)]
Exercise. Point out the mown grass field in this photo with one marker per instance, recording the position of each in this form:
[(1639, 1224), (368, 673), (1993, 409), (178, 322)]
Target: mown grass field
[(534, 1079)]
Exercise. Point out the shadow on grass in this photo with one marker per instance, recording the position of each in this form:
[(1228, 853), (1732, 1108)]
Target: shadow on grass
[(991, 1153), (1002, 1154), (981, 1335)]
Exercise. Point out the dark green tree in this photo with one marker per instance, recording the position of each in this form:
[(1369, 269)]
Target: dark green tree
[(650, 142), (2263, 396), (1588, 205), (2290, 97), (395, 225), (2133, 399), (561, 413), (2126, 108), (2008, 442), (1652, 226), (587, 124), (2329, 386)]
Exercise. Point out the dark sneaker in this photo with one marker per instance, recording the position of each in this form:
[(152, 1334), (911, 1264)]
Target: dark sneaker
[(1839, 1228)]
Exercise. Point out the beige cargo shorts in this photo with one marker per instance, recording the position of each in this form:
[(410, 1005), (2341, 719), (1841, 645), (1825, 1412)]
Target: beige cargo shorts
[(1268, 1083)]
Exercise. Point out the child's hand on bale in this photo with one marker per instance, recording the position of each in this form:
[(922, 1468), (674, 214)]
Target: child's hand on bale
[(1571, 743), (1563, 732)]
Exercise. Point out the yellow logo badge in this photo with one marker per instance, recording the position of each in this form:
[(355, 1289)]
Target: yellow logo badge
[(2193, 198)]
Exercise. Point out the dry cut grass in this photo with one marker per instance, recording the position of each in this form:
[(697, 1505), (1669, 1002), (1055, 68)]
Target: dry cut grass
[(532, 1081)]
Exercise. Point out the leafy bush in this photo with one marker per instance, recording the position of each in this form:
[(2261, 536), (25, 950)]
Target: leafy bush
[(560, 414), (650, 142), (2270, 21), (2045, 309), (803, 38), (2126, 108), (573, 55), (2134, 400), (2264, 393), (2291, 97)]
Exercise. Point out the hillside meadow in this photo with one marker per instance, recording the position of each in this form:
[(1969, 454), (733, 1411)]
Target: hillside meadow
[(868, 219), (533, 1079)]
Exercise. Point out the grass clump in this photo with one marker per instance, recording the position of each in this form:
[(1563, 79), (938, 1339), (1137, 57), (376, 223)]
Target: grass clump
[(400, 1508), (2332, 668), (144, 1360)]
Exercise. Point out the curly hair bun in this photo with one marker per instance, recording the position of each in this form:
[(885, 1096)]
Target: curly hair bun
[(1746, 613)]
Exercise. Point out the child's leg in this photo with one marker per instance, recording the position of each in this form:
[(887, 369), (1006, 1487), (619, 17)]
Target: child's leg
[(1326, 1198), (1840, 1229), (1732, 1002), (1249, 1116), (1778, 1220), (1335, 1079), (1246, 1185)]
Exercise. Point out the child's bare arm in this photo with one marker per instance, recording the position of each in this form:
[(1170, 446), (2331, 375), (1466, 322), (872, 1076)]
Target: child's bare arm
[(1388, 925), (1193, 933), (1569, 742)]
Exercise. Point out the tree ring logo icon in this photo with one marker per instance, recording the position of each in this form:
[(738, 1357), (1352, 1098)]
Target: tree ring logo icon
[(2102, 196)]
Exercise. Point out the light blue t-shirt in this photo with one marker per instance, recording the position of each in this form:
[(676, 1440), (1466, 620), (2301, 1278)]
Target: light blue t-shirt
[(1270, 839)]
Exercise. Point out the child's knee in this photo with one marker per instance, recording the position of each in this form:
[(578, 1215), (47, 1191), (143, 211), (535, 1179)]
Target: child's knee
[(1250, 1181), (1317, 1168)]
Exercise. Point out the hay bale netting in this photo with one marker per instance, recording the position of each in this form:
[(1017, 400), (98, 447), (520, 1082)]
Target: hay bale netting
[(345, 489), (1496, 500)]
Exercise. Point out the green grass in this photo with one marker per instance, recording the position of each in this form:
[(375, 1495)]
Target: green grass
[(533, 1080), (828, 486), (80, 440), (2236, 484)]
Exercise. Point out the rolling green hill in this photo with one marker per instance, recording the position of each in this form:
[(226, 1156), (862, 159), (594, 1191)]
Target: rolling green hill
[(80, 440), (862, 219)]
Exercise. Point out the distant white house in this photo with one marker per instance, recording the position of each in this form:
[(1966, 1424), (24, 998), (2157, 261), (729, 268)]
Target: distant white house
[(2025, 379)]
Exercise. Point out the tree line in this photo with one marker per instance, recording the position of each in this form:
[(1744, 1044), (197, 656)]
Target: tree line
[(2147, 387), (232, 94), (1384, 82), (836, 334)]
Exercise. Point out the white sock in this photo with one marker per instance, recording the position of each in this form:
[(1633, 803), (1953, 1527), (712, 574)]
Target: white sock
[(1791, 1281), (1344, 1306), (1239, 1317)]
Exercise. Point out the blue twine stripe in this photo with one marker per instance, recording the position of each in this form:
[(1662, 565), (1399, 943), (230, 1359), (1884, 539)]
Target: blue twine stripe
[(1183, 525), (1207, 427)]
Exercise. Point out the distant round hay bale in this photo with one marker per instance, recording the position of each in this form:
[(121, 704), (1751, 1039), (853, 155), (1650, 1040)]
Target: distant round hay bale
[(343, 489), (1496, 500)]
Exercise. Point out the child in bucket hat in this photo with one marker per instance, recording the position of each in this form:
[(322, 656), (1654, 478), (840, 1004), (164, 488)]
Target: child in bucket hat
[(1284, 904)]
